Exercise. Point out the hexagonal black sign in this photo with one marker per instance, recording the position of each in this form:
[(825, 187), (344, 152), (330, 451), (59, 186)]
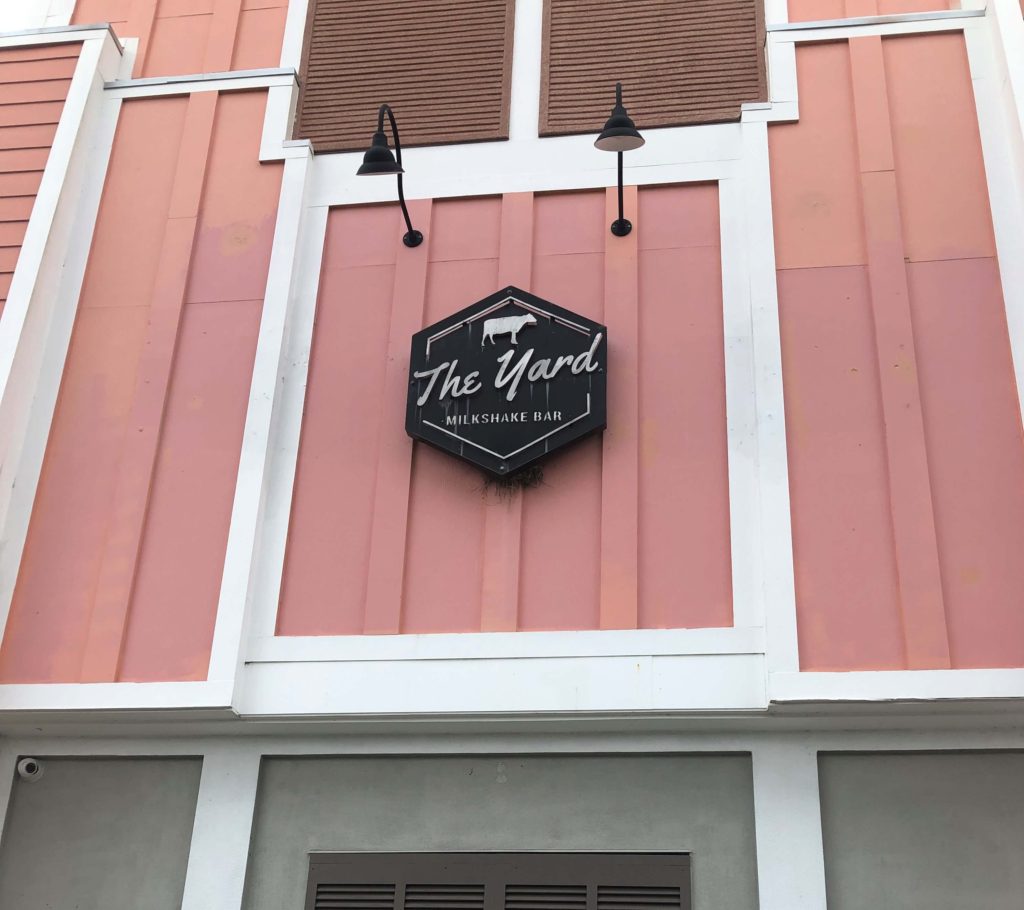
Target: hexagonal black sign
[(507, 380)]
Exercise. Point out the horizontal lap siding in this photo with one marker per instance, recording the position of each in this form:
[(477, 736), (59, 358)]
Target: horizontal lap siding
[(906, 528), (444, 65), (34, 82), (679, 63), (358, 561), (152, 404)]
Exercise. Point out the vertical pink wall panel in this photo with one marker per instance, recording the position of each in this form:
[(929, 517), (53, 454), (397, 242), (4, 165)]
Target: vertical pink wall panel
[(894, 174), (685, 566), (187, 210), (444, 548), (324, 583), (361, 560), (972, 418), (69, 521), (33, 85), (810, 10), (559, 585), (179, 37), (846, 584), (173, 611)]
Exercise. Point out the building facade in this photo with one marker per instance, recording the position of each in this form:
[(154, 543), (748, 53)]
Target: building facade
[(759, 643)]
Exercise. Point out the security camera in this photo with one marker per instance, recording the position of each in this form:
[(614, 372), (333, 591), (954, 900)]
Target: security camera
[(30, 769)]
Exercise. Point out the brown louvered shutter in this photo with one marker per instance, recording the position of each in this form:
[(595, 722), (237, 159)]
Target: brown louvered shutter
[(444, 66), (499, 881), (680, 62)]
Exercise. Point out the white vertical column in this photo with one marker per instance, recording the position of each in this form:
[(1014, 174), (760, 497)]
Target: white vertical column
[(776, 535), (524, 101), (245, 531), (995, 51), (787, 817), (215, 878)]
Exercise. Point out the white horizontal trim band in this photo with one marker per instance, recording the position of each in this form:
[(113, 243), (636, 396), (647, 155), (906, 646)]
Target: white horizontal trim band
[(875, 20), (58, 35), (264, 73), (507, 645), (895, 685)]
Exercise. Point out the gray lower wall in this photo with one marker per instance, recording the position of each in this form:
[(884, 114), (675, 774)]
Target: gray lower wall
[(702, 804), (100, 834), (923, 831)]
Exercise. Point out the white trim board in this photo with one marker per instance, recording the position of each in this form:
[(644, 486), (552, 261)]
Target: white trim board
[(895, 685), (506, 645), (121, 696), (528, 685)]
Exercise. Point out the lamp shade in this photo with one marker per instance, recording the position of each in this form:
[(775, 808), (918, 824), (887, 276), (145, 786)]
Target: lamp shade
[(379, 159), (620, 133)]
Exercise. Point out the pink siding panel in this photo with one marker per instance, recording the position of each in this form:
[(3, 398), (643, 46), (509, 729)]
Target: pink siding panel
[(683, 447), (174, 605), (172, 615), (975, 456), (187, 210), (560, 572), (49, 619), (426, 555), (815, 174), (179, 37), (444, 550), (324, 582), (942, 189), (846, 584), (907, 175)]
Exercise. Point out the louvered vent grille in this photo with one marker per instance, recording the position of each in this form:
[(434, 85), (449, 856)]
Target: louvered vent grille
[(680, 63), (444, 66), (343, 896), (498, 881), (444, 897), (637, 897), (545, 897)]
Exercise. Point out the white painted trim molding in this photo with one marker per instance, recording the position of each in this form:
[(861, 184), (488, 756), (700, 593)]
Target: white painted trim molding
[(247, 515), (222, 829), (895, 685), (787, 820), (119, 696)]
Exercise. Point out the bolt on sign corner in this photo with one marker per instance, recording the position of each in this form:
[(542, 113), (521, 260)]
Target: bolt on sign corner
[(507, 380)]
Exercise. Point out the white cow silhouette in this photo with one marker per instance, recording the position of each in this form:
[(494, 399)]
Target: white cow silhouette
[(506, 325)]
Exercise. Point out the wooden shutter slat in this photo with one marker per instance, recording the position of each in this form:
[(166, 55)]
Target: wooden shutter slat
[(680, 63), (443, 65)]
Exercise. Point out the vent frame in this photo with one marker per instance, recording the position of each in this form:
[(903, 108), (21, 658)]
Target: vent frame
[(503, 881)]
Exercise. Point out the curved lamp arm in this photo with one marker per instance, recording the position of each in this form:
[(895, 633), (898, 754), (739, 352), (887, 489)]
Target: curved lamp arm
[(412, 236)]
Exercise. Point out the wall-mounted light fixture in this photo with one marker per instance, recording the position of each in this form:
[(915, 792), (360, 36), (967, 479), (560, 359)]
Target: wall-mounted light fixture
[(619, 135), (378, 161)]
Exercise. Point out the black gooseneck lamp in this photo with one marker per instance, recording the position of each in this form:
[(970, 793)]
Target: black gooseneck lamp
[(378, 161), (619, 135)]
